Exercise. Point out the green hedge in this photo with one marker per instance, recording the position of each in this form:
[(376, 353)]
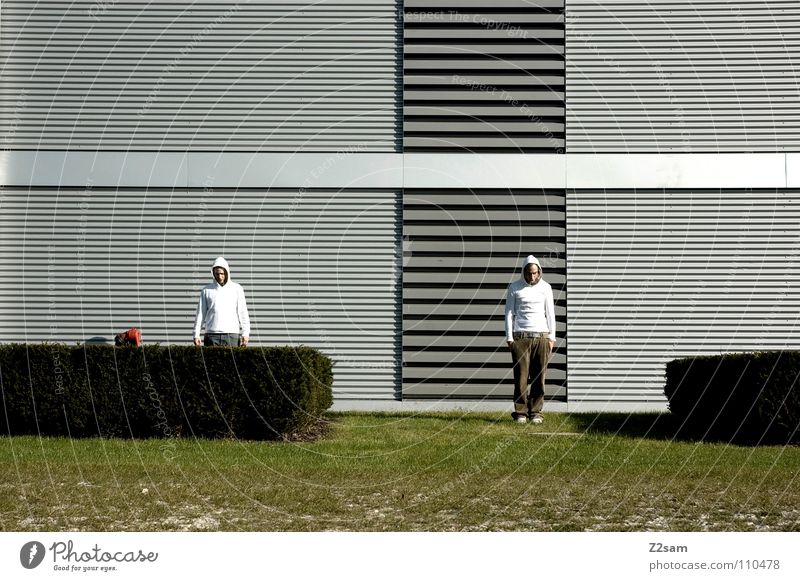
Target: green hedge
[(747, 398), (161, 392)]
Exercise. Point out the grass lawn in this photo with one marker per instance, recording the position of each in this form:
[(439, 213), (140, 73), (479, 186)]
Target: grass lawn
[(407, 472)]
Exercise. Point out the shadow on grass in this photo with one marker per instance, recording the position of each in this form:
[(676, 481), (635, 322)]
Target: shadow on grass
[(667, 426), (656, 426), (661, 426)]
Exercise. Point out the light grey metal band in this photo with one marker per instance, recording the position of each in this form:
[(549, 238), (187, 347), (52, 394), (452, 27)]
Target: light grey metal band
[(197, 170), (697, 170), (354, 169)]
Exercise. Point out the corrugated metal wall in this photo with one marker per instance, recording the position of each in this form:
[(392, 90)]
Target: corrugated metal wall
[(461, 249), (200, 75), (663, 76), (484, 76), (319, 267), (656, 275)]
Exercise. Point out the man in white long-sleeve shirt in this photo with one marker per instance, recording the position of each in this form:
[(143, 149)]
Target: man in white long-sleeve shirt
[(223, 309), (531, 336)]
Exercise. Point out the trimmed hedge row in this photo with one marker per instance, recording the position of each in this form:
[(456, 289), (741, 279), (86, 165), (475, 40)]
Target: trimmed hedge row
[(161, 392), (746, 398)]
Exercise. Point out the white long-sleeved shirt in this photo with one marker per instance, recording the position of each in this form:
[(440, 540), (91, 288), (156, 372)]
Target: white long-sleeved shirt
[(223, 309), (530, 308)]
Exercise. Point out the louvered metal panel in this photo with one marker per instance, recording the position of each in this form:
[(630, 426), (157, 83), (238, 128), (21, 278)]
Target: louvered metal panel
[(461, 249), (483, 76), (663, 76), (319, 268), (187, 75), (656, 275)]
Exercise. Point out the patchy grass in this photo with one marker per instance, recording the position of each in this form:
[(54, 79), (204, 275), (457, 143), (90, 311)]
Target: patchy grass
[(407, 472)]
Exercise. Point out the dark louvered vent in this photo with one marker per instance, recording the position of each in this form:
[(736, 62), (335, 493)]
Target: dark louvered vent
[(461, 249), (484, 76)]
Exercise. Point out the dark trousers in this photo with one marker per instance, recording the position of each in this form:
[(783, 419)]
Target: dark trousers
[(529, 356), (225, 339)]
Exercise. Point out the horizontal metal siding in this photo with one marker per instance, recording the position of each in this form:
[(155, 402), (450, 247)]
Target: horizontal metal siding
[(319, 268), (665, 76), (187, 75), (483, 76), (655, 275), (461, 249)]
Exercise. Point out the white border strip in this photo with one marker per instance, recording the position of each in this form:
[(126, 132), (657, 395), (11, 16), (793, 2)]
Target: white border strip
[(355, 169), (398, 554)]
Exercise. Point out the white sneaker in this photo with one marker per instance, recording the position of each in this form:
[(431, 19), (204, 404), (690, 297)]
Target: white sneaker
[(537, 419), (521, 419)]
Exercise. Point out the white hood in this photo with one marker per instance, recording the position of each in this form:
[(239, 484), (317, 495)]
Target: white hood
[(530, 259), (224, 264)]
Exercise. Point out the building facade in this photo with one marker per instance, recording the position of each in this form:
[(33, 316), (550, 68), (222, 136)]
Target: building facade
[(375, 170)]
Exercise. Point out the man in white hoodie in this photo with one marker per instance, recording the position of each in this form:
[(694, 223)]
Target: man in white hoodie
[(531, 336), (223, 309)]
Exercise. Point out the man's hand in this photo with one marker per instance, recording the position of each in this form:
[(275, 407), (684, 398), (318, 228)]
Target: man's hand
[(243, 341), (552, 345), (509, 343), (197, 341)]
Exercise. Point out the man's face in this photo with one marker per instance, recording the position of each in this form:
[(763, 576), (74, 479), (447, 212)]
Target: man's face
[(532, 274), (220, 275)]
